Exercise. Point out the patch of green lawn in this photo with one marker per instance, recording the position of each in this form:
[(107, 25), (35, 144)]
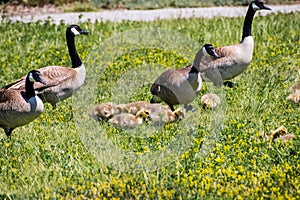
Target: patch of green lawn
[(48, 158)]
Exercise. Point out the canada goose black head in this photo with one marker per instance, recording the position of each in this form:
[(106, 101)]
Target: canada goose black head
[(76, 30), (253, 7), (209, 49), (35, 76), (259, 5), (202, 56), (32, 76)]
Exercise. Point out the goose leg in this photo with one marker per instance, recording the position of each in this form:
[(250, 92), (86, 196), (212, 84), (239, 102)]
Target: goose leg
[(8, 132), (171, 107)]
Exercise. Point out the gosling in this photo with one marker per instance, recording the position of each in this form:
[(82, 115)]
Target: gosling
[(127, 120), (210, 101), (104, 111)]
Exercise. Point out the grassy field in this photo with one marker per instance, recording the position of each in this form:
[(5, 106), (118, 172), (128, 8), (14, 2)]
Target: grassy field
[(57, 156)]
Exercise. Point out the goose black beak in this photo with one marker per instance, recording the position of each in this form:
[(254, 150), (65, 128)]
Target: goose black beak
[(41, 81), (263, 6), (84, 32)]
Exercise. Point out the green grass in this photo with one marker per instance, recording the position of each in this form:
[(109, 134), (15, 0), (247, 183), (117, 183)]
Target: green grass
[(50, 158)]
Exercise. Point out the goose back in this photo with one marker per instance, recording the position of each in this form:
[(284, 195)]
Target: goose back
[(62, 82), (177, 86)]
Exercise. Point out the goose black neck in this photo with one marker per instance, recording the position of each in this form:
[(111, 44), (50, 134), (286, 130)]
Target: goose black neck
[(248, 22), (76, 62), (194, 70), (29, 90)]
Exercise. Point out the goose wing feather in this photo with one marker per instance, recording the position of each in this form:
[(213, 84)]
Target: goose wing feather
[(53, 76)]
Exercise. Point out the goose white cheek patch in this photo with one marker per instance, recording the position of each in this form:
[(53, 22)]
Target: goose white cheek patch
[(204, 51), (31, 77), (75, 31), (255, 7)]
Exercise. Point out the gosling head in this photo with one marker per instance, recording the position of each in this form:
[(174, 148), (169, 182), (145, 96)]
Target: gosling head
[(210, 101), (143, 114), (180, 114), (102, 112), (259, 5)]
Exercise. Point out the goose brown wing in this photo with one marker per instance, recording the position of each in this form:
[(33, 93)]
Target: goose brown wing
[(52, 75), (227, 56), (55, 75), (15, 85), (10, 97)]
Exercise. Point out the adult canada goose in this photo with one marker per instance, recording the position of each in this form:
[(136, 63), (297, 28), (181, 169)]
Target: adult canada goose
[(210, 101), (233, 59), (19, 107), (127, 120), (181, 86), (64, 81)]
